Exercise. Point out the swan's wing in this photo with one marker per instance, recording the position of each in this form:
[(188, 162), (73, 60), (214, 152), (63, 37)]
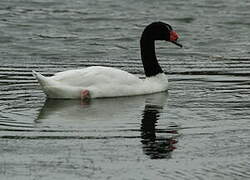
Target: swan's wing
[(94, 76)]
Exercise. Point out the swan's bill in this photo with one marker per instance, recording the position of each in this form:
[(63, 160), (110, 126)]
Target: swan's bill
[(178, 44), (174, 37)]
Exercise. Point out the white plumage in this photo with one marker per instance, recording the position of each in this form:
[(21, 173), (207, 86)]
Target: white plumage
[(100, 82)]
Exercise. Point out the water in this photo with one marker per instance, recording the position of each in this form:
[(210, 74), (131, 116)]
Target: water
[(198, 130)]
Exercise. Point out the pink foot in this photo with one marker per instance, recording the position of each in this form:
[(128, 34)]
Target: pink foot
[(85, 95)]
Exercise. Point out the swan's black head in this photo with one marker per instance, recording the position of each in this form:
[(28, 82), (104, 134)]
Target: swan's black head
[(160, 31)]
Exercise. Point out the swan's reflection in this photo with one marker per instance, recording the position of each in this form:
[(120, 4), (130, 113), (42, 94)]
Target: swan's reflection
[(156, 147), (98, 110), (73, 116)]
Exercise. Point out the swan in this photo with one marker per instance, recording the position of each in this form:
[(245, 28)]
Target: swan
[(100, 82)]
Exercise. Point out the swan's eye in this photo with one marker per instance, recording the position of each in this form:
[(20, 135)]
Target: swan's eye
[(169, 27)]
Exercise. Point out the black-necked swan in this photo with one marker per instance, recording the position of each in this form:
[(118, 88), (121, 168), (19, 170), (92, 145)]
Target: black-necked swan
[(99, 81)]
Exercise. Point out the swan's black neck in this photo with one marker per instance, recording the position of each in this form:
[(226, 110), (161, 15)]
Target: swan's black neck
[(149, 60)]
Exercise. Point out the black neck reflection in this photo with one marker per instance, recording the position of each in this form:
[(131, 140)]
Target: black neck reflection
[(156, 147)]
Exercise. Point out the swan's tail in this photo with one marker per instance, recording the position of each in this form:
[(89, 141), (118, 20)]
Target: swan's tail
[(43, 81), (54, 89)]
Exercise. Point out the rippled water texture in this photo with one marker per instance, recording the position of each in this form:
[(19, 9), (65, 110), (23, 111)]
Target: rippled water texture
[(198, 130)]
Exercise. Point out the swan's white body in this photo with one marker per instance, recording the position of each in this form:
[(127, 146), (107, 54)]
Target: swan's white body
[(100, 82)]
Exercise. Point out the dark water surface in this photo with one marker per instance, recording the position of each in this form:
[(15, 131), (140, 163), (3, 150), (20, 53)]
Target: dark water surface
[(198, 130)]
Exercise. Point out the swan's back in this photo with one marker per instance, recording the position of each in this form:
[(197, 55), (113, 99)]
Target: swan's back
[(95, 75)]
